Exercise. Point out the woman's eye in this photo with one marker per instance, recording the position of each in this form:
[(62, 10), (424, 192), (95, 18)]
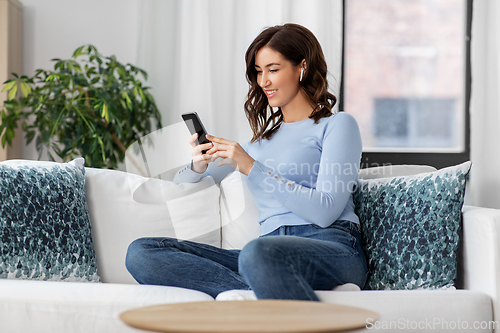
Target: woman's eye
[(273, 70)]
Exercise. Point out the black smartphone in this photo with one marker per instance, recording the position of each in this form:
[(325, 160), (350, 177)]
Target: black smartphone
[(195, 125)]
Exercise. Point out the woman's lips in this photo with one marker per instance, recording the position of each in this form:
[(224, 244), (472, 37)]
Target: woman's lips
[(271, 93)]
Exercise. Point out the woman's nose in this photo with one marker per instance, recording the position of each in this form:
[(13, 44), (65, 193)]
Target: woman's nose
[(264, 81)]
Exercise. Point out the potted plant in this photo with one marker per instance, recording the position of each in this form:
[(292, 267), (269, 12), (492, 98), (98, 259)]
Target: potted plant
[(90, 106)]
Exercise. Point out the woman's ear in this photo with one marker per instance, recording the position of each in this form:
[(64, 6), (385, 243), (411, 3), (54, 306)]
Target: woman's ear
[(303, 64), (303, 68)]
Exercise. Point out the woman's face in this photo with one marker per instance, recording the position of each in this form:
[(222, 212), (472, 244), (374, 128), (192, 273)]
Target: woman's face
[(277, 77)]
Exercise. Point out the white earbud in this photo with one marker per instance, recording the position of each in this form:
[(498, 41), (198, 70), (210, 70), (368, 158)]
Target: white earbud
[(301, 73)]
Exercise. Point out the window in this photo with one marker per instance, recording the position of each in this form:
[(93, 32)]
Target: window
[(406, 79), (404, 122)]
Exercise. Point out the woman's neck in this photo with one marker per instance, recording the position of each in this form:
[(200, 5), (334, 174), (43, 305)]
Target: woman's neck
[(298, 109)]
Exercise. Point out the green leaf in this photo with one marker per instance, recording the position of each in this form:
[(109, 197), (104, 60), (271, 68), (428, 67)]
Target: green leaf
[(9, 135), (30, 136), (141, 92), (4, 140), (25, 89), (105, 112), (102, 147), (78, 52), (122, 72), (12, 93), (127, 99), (9, 85)]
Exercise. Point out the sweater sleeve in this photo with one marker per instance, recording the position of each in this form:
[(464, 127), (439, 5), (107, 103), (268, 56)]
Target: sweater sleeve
[(187, 175), (336, 179)]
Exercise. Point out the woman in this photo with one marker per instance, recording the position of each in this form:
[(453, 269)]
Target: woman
[(302, 165)]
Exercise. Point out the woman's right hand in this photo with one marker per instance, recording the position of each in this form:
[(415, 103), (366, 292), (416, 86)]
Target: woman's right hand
[(200, 160)]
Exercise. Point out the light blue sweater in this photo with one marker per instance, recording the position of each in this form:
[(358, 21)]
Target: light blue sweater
[(304, 174)]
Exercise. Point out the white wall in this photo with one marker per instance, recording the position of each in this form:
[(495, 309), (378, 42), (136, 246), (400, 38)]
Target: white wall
[(55, 28), (484, 183)]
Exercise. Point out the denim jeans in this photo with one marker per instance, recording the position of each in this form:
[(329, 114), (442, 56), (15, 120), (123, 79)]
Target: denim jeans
[(288, 263)]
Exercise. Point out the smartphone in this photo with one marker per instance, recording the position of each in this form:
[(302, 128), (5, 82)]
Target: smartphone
[(195, 125)]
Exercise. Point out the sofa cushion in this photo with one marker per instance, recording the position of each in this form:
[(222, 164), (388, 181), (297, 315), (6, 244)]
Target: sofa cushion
[(394, 171), (239, 212), (408, 311), (410, 228), (45, 231), (124, 207), (47, 307), (420, 310)]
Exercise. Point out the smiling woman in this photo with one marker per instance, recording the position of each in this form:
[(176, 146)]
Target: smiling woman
[(286, 65), (310, 236)]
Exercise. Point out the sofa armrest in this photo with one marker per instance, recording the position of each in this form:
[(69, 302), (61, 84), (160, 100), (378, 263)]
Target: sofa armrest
[(480, 264)]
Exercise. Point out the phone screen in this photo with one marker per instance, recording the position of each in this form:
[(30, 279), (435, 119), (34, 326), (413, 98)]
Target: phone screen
[(194, 125)]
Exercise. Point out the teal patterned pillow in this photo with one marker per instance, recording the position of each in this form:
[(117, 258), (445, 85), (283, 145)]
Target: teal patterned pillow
[(410, 228), (45, 230)]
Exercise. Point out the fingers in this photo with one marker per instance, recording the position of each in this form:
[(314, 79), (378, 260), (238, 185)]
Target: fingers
[(219, 153), (202, 157), (219, 147), (219, 140), (192, 140), (198, 150)]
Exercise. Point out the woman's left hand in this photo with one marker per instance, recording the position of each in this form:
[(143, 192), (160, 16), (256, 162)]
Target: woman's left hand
[(231, 153)]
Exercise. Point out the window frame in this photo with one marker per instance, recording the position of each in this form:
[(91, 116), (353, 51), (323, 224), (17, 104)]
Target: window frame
[(437, 160)]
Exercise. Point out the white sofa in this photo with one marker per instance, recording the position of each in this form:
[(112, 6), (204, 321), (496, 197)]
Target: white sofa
[(124, 207)]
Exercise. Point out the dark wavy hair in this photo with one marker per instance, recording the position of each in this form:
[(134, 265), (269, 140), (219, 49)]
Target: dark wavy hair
[(295, 43)]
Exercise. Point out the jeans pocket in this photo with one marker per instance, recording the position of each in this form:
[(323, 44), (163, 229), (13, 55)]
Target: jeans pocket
[(343, 225), (344, 229)]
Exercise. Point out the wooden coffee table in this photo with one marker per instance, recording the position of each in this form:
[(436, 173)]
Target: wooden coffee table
[(248, 317)]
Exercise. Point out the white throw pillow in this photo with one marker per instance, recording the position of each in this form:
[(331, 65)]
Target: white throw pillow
[(124, 207), (239, 212), (394, 171)]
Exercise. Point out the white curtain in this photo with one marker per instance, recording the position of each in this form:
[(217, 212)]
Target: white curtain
[(194, 52), (485, 105)]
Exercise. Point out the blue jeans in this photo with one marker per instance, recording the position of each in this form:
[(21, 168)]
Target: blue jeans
[(288, 263)]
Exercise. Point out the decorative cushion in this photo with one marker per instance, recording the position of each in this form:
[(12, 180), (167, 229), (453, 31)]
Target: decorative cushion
[(410, 227), (394, 171), (239, 213), (45, 231), (125, 206)]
